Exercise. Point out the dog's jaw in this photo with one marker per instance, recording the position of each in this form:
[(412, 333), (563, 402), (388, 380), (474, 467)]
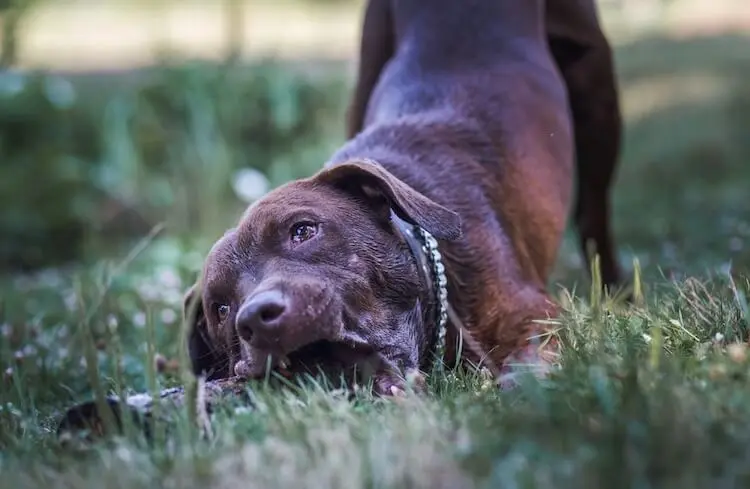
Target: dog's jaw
[(255, 361), (339, 357)]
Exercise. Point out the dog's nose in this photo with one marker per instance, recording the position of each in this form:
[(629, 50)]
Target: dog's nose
[(262, 315)]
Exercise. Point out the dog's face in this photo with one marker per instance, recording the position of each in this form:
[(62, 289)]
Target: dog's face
[(316, 276)]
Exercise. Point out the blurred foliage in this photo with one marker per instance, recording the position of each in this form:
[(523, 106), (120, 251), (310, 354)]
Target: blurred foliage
[(48, 146), (105, 158), (12, 13)]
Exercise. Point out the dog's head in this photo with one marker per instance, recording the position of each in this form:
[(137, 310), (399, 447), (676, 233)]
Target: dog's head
[(315, 273)]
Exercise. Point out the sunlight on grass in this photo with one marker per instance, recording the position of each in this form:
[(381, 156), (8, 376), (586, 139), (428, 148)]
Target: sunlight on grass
[(643, 98)]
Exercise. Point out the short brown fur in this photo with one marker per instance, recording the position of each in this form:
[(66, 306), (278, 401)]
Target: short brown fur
[(472, 113)]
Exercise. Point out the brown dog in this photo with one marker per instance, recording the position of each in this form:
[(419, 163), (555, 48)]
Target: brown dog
[(460, 130)]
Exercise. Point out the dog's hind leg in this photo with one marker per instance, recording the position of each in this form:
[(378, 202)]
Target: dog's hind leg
[(376, 48), (584, 58)]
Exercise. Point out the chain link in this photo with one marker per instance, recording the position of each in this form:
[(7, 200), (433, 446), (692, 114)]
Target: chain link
[(430, 249)]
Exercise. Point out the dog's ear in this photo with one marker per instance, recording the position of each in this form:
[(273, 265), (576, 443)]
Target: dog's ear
[(371, 179), (203, 359)]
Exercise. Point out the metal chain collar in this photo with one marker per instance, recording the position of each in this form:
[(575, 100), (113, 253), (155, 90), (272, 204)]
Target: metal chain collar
[(430, 249), (424, 247)]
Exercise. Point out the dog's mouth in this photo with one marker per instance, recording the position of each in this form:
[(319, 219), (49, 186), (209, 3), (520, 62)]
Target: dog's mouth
[(322, 356)]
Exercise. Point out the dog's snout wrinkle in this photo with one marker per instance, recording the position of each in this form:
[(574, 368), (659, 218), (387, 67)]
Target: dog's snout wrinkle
[(263, 315)]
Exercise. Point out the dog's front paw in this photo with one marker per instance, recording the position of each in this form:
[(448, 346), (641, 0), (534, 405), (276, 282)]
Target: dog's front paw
[(388, 385), (393, 386), (535, 359)]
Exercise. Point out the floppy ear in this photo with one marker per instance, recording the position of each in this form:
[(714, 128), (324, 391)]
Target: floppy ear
[(203, 358), (366, 176)]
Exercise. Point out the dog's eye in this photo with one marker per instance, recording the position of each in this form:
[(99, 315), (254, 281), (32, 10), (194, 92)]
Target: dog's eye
[(222, 311), (303, 231)]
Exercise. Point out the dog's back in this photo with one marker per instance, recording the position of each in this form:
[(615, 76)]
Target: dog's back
[(473, 58), (470, 92), (464, 103)]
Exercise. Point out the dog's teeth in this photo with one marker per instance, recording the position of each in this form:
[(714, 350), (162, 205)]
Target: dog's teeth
[(284, 362)]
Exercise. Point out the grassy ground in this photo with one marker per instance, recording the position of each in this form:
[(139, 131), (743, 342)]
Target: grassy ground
[(648, 396)]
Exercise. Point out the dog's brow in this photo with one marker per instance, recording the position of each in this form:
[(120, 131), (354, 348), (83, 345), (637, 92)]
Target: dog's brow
[(300, 214), (217, 289), (267, 220), (249, 231)]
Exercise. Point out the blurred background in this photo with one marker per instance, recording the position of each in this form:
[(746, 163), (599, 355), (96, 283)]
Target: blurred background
[(119, 115)]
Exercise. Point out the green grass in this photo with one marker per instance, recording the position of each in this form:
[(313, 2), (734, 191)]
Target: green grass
[(654, 395)]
